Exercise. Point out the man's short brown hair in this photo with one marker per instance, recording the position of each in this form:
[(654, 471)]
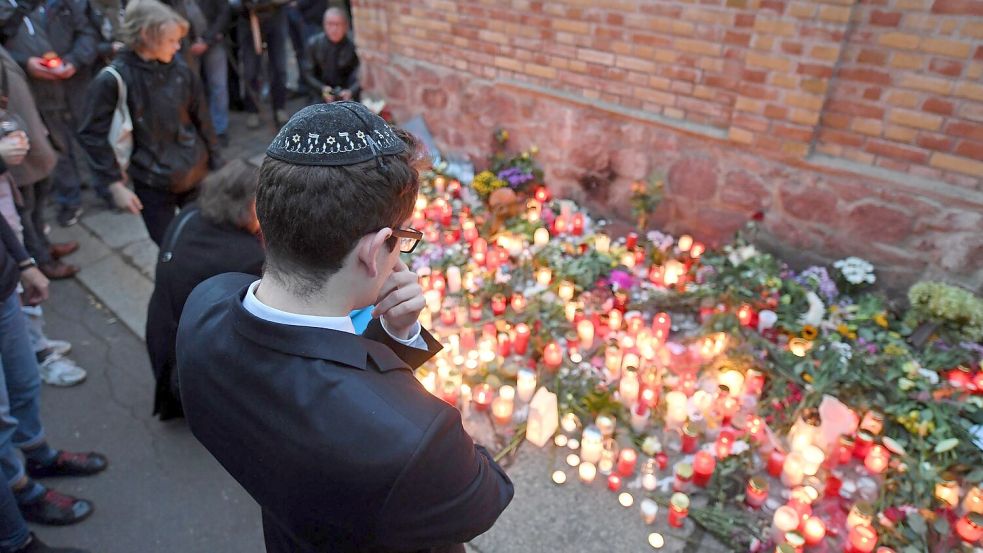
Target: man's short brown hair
[(312, 216)]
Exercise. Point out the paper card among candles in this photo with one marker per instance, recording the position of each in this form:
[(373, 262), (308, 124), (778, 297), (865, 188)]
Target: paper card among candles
[(543, 417)]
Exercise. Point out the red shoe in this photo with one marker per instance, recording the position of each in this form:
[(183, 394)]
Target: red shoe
[(62, 249)]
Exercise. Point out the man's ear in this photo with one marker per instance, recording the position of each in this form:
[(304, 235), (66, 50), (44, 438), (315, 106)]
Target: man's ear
[(368, 249)]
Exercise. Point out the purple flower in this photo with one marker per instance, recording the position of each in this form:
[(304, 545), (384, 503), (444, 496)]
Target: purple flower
[(621, 279), (819, 280), (515, 177)]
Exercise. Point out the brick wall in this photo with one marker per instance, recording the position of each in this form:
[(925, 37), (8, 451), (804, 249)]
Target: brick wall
[(837, 117)]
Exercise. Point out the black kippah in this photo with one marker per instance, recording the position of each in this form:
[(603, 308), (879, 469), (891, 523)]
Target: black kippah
[(339, 133)]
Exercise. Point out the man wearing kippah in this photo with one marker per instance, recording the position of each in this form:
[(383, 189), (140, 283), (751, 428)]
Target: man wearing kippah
[(329, 431)]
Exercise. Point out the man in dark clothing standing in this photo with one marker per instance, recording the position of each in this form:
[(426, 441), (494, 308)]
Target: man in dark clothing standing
[(264, 22), (56, 45), (331, 63), (329, 431)]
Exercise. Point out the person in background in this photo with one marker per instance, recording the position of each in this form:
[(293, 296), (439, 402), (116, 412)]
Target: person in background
[(218, 234), (210, 48), (312, 12), (55, 44), (331, 63), (174, 144), (270, 20)]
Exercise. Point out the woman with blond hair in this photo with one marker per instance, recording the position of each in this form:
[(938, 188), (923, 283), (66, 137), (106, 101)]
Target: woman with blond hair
[(174, 143)]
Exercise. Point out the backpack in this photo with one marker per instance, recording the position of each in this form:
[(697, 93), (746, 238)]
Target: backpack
[(121, 129)]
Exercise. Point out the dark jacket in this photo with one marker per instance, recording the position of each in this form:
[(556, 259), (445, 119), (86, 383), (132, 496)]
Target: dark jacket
[(330, 432), (194, 250), (41, 158), (172, 128), (218, 13), (31, 30), (331, 64), (12, 253), (312, 11)]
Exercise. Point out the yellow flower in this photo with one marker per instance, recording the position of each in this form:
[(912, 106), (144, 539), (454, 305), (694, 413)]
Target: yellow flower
[(852, 335), (807, 377), (834, 308), (843, 329), (881, 320), (809, 332)]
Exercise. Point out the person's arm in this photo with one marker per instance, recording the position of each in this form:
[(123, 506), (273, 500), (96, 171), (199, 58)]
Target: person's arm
[(11, 17), (93, 132), (216, 29), (11, 243), (85, 45), (202, 120), (353, 84), (411, 355), (449, 492), (310, 69)]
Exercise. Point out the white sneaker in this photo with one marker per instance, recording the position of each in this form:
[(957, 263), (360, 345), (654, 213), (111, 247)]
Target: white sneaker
[(58, 370), (61, 347)]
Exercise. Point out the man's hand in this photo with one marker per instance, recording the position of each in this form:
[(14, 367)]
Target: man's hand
[(400, 301), (326, 94), (65, 71), (345, 94), (37, 69), (124, 198), (35, 286), (118, 46), (199, 47), (14, 147)]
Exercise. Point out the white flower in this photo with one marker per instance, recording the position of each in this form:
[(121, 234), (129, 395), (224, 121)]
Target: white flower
[(842, 349), (816, 311), (740, 255), (931, 376), (856, 270)]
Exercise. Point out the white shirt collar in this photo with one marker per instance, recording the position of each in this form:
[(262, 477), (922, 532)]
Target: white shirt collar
[(265, 312)]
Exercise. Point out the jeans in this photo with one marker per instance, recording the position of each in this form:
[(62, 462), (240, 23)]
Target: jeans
[(159, 208), (32, 219), (298, 38), (65, 177), (35, 327), (217, 79), (13, 528), (274, 33), (20, 394)]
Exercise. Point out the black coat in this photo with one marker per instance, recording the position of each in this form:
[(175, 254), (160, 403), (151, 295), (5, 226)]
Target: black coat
[(330, 432), (172, 128), (195, 250), (331, 64)]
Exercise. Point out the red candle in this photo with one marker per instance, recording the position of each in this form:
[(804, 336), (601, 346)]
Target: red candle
[(776, 460), (662, 460), (757, 492), (631, 240), (626, 461), (498, 304), (468, 341), (577, 225), (521, 342), (703, 466), (504, 344), (697, 250), (744, 314), (970, 527), (448, 316), (678, 509), (661, 322), (844, 450), (614, 482), (475, 311), (690, 438), (862, 539), (481, 396), (814, 530), (877, 459), (725, 441), (542, 194), (518, 302), (833, 485), (862, 444), (552, 356)]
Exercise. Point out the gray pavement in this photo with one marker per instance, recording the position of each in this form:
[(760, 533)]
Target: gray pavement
[(163, 493)]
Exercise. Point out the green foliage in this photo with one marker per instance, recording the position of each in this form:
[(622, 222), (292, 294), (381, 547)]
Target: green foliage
[(958, 312)]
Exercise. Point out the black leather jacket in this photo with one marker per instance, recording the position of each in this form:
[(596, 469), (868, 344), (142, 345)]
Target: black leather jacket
[(169, 112), (331, 64)]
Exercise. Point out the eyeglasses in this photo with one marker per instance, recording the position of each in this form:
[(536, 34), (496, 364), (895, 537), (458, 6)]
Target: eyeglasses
[(407, 239)]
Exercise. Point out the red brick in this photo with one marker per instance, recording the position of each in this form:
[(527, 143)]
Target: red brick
[(866, 76), (739, 39), (754, 91), (775, 112), (814, 70), (970, 149), (936, 142), (958, 7), (778, 6), (799, 134), (875, 57), (719, 81), (965, 130), (753, 76), (836, 120), (854, 108), (752, 122), (885, 19), (979, 53), (744, 20), (938, 105), (889, 149), (838, 137), (949, 68), (872, 93), (794, 48)]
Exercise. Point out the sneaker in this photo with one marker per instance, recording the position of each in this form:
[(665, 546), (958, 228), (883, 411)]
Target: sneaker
[(56, 509), (35, 545), (67, 463), (252, 121), (58, 370), (61, 347), (68, 216)]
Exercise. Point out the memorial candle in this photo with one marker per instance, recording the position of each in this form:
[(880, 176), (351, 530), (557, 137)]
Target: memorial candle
[(812, 459), (498, 304), (631, 240), (520, 344), (697, 250), (703, 467), (814, 530), (947, 490), (525, 384), (541, 237), (757, 492), (649, 509), (482, 395), (776, 459), (602, 243), (587, 472), (724, 444), (970, 527), (683, 477), (614, 320), (591, 444), (626, 499), (685, 243), (862, 539), (565, 290), (612, 359), (785, 520), (628, 387), (689, 439), (502, 410), (974, 501), (649, 478), (877, 459), (675, 409), (585, 332), (792, 474), (861, 514), (614, 482), (552, 355), (661, 325), (626, 461), (544, 275), (678, 509), (640, 416), (518, 302)]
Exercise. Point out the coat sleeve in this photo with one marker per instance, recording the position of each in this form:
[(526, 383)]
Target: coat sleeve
[(85, 45), (450, 491), (11, 243), (309, 69), (353, 83), (93, 132), (414, 357)]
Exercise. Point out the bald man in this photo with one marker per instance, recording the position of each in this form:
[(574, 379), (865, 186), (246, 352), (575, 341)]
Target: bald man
[(330, 61)]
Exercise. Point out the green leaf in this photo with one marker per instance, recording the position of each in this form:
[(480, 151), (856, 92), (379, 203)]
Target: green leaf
[(976, 476), (941, 526), (946, 445), (917, 524)]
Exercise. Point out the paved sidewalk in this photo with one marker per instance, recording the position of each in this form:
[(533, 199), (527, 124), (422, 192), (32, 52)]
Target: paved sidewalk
[(164, 494)]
